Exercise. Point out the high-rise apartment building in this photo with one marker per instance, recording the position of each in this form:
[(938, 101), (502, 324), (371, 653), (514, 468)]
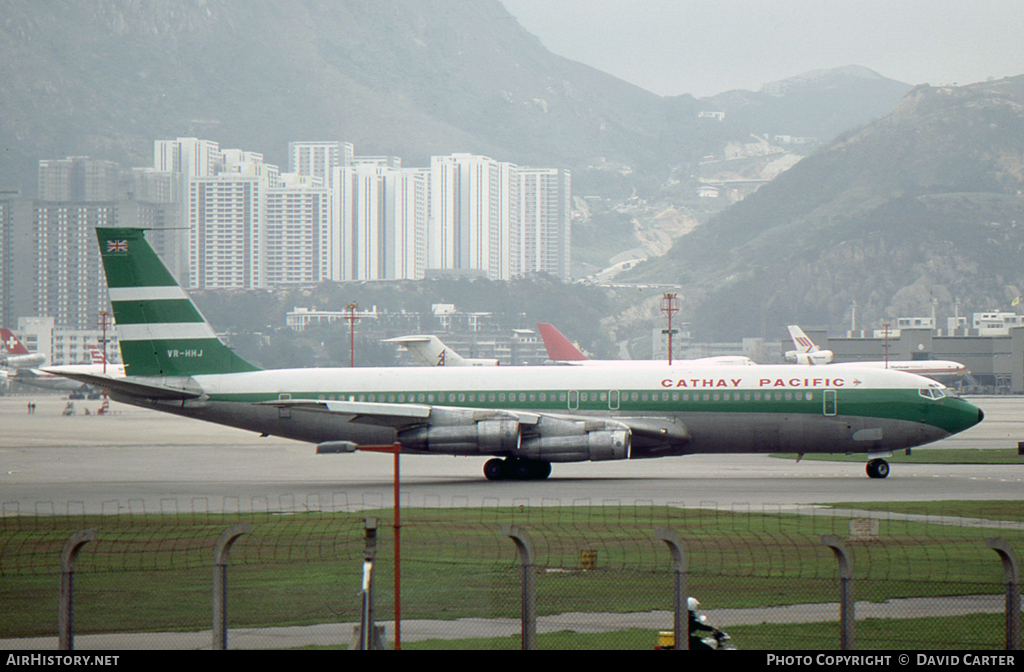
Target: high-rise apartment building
[(474, 216), (225, 227), (319, 158), (297, 231), (545, 215), (191, 157), (380, 215), (79, 178), (69, 284)]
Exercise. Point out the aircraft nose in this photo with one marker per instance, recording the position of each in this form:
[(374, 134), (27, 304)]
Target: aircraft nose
[(981, 415)]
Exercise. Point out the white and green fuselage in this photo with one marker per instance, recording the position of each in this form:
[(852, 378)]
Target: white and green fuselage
[(174, 362)]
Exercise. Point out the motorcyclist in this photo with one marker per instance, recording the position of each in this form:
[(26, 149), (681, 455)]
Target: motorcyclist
[(698, 624)]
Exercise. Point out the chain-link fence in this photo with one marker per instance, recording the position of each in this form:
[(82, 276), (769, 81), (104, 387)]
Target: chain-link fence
[(603, 578)]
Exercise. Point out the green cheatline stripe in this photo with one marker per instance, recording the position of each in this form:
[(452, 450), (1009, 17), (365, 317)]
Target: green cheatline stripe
[(150, 312), (129, 261), (891, 404), (181, 357)]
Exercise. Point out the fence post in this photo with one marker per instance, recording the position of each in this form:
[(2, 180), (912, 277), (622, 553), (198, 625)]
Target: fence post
[(846, 604), (220, 582), (1011, 577), (529, 605), (65, 615), (675, 545), (368, 635)]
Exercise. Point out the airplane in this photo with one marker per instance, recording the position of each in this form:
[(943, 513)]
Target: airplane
[(16, 355), (431, 351), (50, 378), (808, 353), (522, 418), (562, 351)]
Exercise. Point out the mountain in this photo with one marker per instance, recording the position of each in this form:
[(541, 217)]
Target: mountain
[(820, 104), (921, 208), (410, 78)]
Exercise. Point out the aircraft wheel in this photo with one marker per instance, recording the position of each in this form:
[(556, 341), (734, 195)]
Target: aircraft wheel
[(522, 470), (877, 468), (530, 470), (494, 469)]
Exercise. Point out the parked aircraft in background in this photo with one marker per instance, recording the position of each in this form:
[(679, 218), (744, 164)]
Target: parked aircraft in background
[(806, 351), (562, 351), (522, 418), (431, 351), (15, 354), (50, 378), (809, 353)]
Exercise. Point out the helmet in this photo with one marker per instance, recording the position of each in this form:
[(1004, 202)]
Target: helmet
[(692, 603)]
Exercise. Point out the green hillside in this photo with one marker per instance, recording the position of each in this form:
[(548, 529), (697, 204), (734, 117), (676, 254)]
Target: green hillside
[(924, 204)]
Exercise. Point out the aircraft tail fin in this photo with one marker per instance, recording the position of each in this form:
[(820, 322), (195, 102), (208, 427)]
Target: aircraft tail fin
[(429, 350), (11, 342), (802, 343), (159, 328), (96, 356), (558, 346)]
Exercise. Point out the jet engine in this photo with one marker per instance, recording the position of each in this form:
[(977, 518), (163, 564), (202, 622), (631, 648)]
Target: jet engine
[(561, 440), (533, 437), (22, 361), (483, 437)]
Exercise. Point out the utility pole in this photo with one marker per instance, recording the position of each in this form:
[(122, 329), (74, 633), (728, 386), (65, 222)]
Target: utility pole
[(669, 306), (351, 308), (104, 317), (885, 326)]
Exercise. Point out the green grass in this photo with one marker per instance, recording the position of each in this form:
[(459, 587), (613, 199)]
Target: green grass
[(152, 572), (925, 456)]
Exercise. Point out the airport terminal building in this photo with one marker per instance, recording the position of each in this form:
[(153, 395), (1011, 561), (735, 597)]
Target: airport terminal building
[(994, 355)]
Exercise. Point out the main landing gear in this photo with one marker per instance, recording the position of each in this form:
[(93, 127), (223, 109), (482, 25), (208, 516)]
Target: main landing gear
[(877, 468), (516, 469)]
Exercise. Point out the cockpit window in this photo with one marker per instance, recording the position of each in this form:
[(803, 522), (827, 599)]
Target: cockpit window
[(936, 392)]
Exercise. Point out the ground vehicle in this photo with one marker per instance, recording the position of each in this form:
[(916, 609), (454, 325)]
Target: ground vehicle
[(713, 640)]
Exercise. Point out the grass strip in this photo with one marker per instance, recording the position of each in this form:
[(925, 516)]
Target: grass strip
[(924, 456)]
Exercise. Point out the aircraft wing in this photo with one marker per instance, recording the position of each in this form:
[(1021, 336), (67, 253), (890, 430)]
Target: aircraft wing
[(649, 431)]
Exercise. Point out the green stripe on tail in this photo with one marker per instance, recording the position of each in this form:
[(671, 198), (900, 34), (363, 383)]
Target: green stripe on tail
[(160, 330)]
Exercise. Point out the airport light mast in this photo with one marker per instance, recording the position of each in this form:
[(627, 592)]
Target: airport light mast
[(352, 319), (669, 306), (104, 318)]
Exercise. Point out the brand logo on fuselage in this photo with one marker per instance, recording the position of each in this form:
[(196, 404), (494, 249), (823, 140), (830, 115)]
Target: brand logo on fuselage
[(705, 383)]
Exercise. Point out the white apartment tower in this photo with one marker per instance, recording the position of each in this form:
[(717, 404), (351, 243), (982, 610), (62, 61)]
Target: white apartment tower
[(319, 159), (545, 214), (190, 156), (298, 235), (225, 227), (474, 215), (380, 215)]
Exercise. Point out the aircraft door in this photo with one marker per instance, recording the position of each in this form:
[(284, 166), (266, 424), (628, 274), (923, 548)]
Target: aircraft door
[(829, 403), (574, 400), (613, 400)]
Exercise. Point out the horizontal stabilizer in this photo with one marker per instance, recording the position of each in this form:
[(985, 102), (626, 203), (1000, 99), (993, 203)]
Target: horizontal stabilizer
[(163, 388)]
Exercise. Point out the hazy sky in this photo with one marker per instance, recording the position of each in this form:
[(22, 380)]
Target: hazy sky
[(703, 48)]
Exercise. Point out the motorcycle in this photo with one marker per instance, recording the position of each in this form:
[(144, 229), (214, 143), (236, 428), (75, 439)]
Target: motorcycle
[(702, 635), (718, 640)]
